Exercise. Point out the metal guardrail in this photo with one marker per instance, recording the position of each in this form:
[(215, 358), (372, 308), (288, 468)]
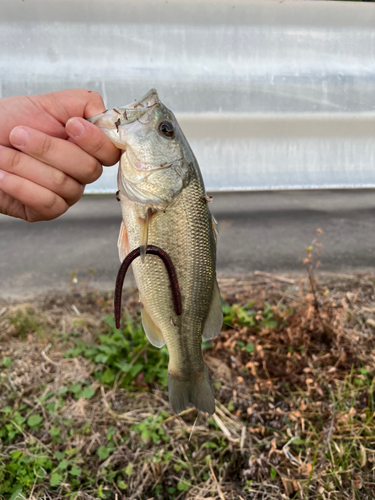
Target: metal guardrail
[(271, 95)]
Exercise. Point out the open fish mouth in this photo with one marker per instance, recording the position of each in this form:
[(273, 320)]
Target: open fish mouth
[(136, 110), (146, 102), (125, 115)]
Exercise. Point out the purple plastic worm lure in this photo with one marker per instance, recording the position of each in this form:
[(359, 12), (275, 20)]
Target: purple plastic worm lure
[(153, 250)]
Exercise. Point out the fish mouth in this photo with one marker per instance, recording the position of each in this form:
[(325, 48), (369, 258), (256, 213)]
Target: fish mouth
[(130, 113), (136, 110), (147, 101)]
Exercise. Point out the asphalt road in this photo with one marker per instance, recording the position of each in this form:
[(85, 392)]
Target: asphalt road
[(265, 231)]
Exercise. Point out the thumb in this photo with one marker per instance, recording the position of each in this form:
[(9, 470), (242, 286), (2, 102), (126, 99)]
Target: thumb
[(73, 102)]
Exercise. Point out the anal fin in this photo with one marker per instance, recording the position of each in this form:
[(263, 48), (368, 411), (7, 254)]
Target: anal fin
[(152, 331), (214, 320)]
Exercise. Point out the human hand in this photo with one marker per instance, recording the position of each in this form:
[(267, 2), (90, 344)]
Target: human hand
[(48, 152)]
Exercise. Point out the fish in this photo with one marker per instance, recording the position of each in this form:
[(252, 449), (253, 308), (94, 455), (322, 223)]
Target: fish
[(164, 204)]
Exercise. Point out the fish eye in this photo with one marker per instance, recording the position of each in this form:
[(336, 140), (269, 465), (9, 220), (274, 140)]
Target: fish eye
[(166, 128)]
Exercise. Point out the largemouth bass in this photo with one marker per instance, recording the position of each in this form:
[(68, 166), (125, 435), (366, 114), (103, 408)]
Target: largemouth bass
[(164, 203)]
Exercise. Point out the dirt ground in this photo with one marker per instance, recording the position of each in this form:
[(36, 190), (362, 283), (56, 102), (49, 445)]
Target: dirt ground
[(84, 409)]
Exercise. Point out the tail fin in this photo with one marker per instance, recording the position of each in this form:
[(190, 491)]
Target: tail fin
[(183, 393)]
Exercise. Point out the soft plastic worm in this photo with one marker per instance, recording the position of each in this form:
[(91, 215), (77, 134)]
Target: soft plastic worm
[(153, 250)]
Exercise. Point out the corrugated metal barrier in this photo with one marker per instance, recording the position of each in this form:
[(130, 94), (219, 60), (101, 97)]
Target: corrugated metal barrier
[(271, 95)]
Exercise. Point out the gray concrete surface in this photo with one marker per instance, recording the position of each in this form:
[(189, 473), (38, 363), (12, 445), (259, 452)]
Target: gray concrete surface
[(265, 231)]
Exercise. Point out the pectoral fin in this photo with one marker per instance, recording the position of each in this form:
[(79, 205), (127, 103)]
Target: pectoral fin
[(152, 331), (123, 242), (214, 320), (143, 233)]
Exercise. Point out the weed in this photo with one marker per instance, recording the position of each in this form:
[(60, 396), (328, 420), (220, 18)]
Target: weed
[(25, 322), (123, 353), (151, 429)]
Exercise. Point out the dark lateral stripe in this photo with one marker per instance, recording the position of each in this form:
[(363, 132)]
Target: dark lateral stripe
[(153, 250)]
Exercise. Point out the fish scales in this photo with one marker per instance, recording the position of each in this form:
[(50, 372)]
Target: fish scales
[(164, 204), (183, 232)]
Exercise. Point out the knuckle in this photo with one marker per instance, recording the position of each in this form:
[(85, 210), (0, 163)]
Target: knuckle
[(60, 180), (93, 170), (44, 147), (49, 204), (75, 194), (31, 217), (96, 147), (98, 143), (80, 190), (52, 207), (13, 160), (95, 96)]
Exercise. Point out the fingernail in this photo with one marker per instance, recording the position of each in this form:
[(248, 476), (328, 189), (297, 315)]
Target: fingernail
[(75, 127), (18, 137), (2, 174)]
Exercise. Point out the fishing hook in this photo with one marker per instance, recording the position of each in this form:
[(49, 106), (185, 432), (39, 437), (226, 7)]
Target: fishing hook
[(153, 250)]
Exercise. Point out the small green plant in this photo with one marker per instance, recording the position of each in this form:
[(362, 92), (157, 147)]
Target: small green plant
[(34, 421), (23, 470), (25, 322), (248, 484), (183, 486), (124, 354), (103, 452), (6, 362), (12, 426), (240, 316), (151, 429)]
